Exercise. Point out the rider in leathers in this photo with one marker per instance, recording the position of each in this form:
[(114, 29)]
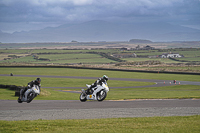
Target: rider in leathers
[(97, 82), (30, 85)]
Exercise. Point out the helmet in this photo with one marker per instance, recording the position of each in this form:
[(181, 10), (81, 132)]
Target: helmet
[(38, 80), (105, 77)]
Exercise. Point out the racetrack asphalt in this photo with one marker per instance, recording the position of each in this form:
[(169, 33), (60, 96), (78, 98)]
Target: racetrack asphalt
[(68, 109), (74, 109)]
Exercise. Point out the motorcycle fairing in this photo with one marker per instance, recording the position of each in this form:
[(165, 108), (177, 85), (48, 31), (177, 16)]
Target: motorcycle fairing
[(24, 98)]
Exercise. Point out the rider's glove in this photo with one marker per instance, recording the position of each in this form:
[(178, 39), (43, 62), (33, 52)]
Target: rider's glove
[(29, 86)]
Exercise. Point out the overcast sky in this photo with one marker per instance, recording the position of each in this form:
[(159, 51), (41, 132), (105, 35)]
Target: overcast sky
[(18, 15)]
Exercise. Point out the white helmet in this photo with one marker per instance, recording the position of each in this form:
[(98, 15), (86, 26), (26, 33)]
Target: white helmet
[(105, 77)]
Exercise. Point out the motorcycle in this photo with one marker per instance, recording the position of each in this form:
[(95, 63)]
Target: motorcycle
[(30, 94), (98, 93)]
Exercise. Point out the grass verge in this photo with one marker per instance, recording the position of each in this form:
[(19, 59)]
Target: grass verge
[(168, 92), (177, 91), (176, 124), (96, 73)]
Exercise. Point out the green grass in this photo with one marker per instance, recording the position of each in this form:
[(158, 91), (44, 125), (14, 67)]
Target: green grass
[(195, 53), (196, 59), (61, 59), (166, 68), (16, 51), (69, 56), (3, 56), (54, 93), (163, 60), (82, 56), (65, 82), (172, 92), (78, 60), (176, 124), (167, 92), (182, 124), (96, 73), (27, 59), (177, 91)]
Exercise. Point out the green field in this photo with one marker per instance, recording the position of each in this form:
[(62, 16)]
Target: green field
[(177, 91), (93, 56), (96, 73), (61, 59), (166, 68), (176, 124), (151, 59)]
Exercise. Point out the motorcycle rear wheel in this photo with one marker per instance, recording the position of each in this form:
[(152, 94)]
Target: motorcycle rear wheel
[(101, 95), (83, 97)]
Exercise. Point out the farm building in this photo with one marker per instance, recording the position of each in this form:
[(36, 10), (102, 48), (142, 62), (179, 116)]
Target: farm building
[(170, 55)]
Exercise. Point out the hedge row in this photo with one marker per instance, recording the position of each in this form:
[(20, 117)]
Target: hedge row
[(13, 87)]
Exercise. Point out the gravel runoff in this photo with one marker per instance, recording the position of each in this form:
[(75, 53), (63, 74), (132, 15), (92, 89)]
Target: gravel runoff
[(53, 114)]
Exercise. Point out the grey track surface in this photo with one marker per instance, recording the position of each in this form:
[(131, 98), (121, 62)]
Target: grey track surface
[(56, 109), (72, 109)]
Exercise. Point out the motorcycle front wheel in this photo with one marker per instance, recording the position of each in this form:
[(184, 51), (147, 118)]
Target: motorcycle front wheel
[(19, 100), (83, 97), (30, 97), (101, 95)]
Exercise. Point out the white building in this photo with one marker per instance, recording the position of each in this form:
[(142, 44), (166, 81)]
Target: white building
[(170, 55)]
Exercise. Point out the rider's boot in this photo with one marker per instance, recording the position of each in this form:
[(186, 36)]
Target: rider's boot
[(22, 93), (89, 91)]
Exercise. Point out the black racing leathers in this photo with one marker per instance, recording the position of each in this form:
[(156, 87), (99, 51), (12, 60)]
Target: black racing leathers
[(30, 85), (97, 82)]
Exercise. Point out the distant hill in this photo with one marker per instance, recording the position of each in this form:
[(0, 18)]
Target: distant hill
[(105, 31), (140, 41)]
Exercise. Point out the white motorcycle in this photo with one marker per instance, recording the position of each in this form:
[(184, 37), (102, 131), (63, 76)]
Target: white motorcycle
[(98, 93), (30, 94)]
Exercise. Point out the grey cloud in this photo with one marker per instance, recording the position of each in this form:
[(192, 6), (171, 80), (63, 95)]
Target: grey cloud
[(61, 11), (66, 8)]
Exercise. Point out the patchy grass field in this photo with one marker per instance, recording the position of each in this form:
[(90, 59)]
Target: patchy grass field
[(82, 56), (176, 124), (182, 124), (177, 91), (96, 73)]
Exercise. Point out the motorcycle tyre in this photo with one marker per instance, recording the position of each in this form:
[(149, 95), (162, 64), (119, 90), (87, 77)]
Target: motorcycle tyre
[(31, 98), (19, 100), (83, 99), (98, 95)]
